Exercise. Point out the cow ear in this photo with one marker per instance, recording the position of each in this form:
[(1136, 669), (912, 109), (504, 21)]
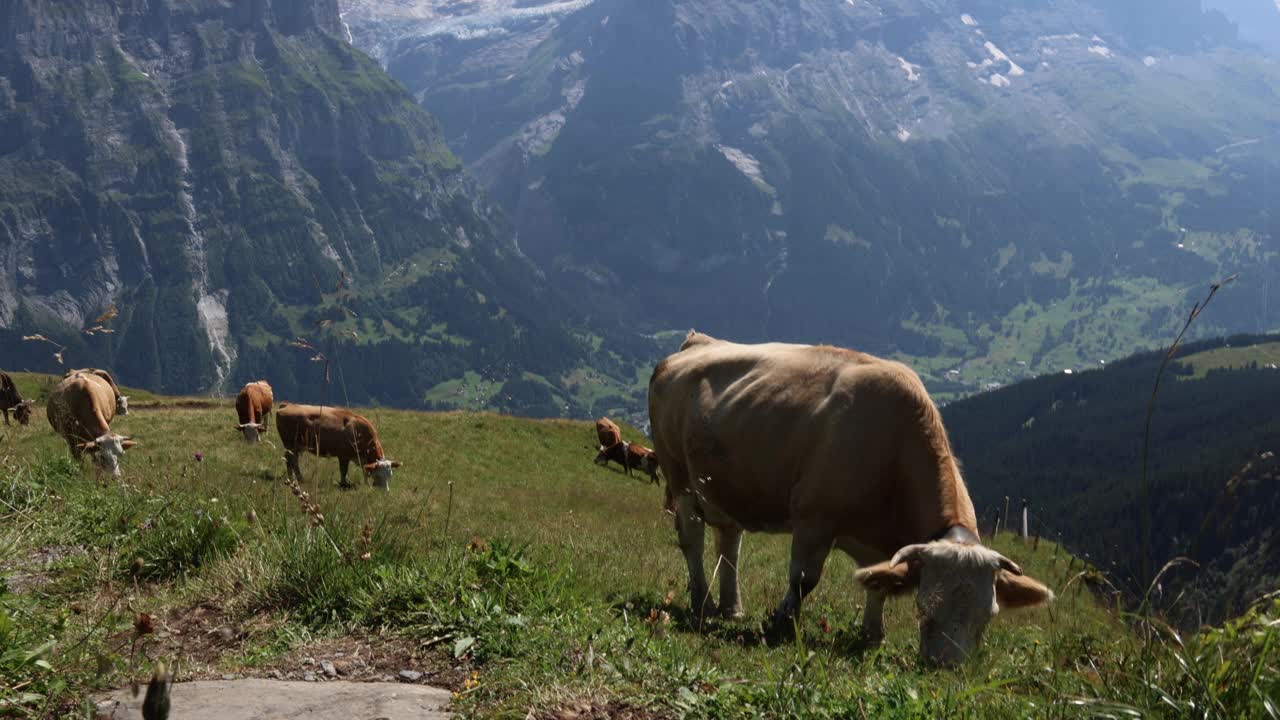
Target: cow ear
[(128, 444), (1020, 591), (370, 467), (396, 463), (890, 578)]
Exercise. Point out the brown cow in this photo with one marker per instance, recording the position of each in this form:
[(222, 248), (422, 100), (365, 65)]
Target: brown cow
[(630, 455), (253, 406), (122, 401), (10, 399), (333, 432), (839, 449), (607, 432), (81, 409)]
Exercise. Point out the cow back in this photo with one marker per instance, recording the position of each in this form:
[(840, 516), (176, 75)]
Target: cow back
[(9, 396), (768, 431), (253, 401), (81, 407), (328, 432), (608, 432)]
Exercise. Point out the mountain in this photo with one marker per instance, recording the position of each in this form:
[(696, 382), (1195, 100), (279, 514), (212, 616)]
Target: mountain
[(988, 189), (1072, 445), (188, 186)]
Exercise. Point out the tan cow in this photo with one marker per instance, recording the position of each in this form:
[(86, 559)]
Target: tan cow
[(253, 407), (839, 449), (608, 432), (81, 409), (333, 432), (121, 401)]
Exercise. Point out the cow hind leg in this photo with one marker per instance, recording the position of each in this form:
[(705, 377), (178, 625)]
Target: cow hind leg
[(728, 543), (809, 550), (291, 466), (692, 534)]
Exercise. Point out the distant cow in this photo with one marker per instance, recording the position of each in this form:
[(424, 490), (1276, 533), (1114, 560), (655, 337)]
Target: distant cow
[(333, 432), (81, 409), (253, 406), (839, 449), (11, 400), (608, 432), (630, 455), (121, 401)]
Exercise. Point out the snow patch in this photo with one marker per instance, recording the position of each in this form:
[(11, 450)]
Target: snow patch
[(745, 163), (903, 134), (1101, 51), (1150, 61), (346, 28), (999, 80), (967, 19), (998, 55), (911, 69)]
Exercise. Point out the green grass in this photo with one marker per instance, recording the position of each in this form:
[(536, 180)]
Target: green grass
[(503, 550), (1224, 358)]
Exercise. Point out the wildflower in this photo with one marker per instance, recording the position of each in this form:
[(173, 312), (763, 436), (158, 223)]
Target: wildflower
[(144, 624), (199, 457)]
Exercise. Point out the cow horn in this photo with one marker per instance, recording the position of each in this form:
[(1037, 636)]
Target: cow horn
[(89, 446), (907, 554), (1008, 565), (396, 463), (126, 444)]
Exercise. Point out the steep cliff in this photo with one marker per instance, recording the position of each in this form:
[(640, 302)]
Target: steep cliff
[(232, 175)]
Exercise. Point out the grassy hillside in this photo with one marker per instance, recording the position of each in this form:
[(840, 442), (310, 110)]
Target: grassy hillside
[(504, 565)]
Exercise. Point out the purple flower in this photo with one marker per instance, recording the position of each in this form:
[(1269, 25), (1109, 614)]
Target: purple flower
[(199, 457)]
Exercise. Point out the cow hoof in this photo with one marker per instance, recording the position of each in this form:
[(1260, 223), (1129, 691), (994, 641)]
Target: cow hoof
[(780, 631), (732, 613)]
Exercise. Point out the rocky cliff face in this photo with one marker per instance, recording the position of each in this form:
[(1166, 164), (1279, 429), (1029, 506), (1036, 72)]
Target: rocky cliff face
[(975, 184), (232, 174)]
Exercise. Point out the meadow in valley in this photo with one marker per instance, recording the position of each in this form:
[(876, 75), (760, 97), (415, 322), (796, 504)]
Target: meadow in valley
[(506, 566)]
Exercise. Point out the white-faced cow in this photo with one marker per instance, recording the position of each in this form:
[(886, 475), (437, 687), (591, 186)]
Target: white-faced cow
[(333, 432), (839, 449), (10, 399), (81, 409), (121, 401), (253, 406)]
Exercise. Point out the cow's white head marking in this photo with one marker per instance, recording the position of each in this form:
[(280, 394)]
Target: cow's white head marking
[(960, 587), (380, 471), (122, 404), (107, 451), (252, 431)]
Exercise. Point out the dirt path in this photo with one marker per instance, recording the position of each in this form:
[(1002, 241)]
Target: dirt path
[(282, 700)]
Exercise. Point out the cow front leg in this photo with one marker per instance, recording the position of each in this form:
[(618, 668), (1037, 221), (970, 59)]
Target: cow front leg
[(873, 617), (692, 535), (343, 465), (291, 468), (6, 416), (728, 543), (809, 550)]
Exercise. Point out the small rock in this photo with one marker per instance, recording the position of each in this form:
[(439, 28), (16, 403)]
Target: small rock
[(410, 676), (308, 661), (276, 674), (308, 676), (228, 676), (328, 668)]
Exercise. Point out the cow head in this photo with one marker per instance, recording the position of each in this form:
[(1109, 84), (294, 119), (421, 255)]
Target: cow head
[(107, 451), (380, 471), (959, 588), (252, 431), (23, 411), (602, 455), (122, 404)]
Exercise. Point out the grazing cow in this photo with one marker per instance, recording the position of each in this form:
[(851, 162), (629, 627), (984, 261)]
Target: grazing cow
[(839, 449), (10, 399), (333, 432), (81, 409), (608, 432), (253, 406), (630, 455), (122, 401)]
